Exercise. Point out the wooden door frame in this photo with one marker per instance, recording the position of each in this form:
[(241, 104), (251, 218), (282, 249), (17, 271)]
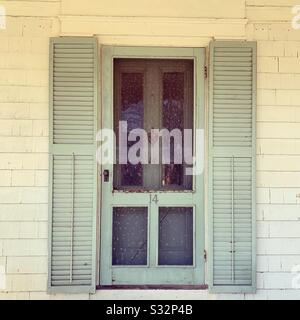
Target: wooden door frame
[(198, 56)]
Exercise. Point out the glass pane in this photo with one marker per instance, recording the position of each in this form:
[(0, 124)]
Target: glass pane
[(131, 110), (129, 236), (173, 98), (175, 236), (152, 94), (174, 117)]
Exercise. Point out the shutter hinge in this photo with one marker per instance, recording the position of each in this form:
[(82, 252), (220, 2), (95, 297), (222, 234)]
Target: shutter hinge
[(205, 255), (205, 72)]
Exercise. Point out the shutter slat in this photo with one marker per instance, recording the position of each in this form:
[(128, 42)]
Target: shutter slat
[(73, 207), (71, 235), (232, 124)]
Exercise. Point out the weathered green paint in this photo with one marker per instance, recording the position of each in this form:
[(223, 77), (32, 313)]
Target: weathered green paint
[(157, 274), (229, 140), (73, 151), (195, 198)]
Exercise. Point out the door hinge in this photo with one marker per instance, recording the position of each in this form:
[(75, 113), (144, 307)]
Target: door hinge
[(205, 256), (205, 72)]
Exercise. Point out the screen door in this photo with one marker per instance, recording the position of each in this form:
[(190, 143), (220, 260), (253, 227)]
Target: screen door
[(151, 223)]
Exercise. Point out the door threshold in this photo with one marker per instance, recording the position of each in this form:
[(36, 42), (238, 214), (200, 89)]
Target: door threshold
[(152, 287)]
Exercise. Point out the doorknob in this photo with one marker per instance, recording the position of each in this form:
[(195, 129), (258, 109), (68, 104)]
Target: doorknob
[(105, 175)]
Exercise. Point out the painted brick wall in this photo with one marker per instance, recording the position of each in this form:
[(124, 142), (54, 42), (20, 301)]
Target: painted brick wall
[(278, 147), (24, 124), (24, 144)]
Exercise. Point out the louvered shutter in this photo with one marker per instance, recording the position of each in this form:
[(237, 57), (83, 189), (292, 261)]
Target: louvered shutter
[(72, 180), (232, 121)]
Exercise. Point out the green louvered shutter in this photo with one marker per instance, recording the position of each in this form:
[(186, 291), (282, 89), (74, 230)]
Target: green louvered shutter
[(232, 121), (72, 180)]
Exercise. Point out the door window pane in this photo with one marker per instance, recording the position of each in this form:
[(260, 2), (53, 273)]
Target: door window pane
[(129, 236), (173, 100), (175, 236), (153, 94), (131, 110)]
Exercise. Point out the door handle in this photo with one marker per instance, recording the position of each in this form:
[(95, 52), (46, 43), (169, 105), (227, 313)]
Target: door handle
[(105, 175)]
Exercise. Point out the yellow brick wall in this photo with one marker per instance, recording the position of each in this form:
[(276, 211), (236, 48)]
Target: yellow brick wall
[(24, 144), (278, 147), (191, 23)]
